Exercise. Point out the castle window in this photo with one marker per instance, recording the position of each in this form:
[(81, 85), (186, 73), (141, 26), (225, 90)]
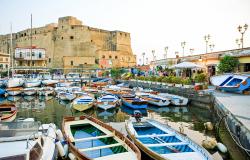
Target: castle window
[(40, 55), (71, 37), (91, 40), (24, 34), (103, 56), (20, 63), (33, 63), (116, 57), (62, 27), (49, 60), (35, 32), (62, 38), (85, 63), (71, 63), (125, 35), (120, 33), (33, 54), (72, 27), (110, 57)]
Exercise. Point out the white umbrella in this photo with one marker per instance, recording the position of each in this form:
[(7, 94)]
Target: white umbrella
[(185, 65)]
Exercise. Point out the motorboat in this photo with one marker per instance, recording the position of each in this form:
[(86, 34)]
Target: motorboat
[(66, 96), (45, 91), (175, 99), (73, 77), (15, 81), (107, 101), (14, 91), (8, 112), (2, 91), (154, 99), (134, 102), (49, 82), (83, 103), (160, 141), (35, 82), (91, 139), (29, 91)]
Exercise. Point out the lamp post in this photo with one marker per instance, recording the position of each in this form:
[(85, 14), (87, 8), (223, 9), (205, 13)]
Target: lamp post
[(207, 38), (143, 55), (242, 30), (166, 52), (237, 41), (153, 53), (183, 46), (211, 46), (191, 51)]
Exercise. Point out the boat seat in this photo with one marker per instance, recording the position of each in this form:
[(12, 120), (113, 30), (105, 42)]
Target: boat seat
[(166, 144), (155, 135), (101, 147), (92, 138)]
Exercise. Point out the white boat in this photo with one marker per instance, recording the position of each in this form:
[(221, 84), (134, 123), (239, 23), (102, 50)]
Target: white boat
[(73, 77), (107, 101), (159, 141), (29, 91), (14, 91), (66, 96), (154, 99), (15, 81), (83, 103), (49, 82), (45, 91), (174, 99), (26, 140), (32, 83)]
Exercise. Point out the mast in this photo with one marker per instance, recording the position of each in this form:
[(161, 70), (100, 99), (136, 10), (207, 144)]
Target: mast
[(9, 53), (31, 40)]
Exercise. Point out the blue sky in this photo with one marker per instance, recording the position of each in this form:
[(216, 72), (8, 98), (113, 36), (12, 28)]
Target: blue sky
[(153, 24)]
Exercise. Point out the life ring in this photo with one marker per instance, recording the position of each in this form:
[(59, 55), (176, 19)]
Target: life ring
[(244, 82)]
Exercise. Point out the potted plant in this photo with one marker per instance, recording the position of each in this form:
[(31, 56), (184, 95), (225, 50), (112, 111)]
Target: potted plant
[(200, 79), (187, 83)]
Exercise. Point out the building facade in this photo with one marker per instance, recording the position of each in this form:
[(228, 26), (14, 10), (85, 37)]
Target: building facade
[(4, 61), (70, 38)]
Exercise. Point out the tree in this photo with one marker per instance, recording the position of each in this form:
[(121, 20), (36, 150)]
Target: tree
[(228, 64)]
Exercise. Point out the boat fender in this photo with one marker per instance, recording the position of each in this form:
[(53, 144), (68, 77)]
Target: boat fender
[(72, 156), (221, 147), (66, 149), (208, 126), (60, 148), (59, 135)]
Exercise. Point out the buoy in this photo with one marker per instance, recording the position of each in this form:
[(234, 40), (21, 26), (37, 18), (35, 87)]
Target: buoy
[(59, 134), (72, 156), (209, 126), (60, 148), (209, 143), (66, 148), (222, 147)]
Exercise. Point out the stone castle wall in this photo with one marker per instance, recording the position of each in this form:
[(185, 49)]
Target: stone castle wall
[(70, 38)]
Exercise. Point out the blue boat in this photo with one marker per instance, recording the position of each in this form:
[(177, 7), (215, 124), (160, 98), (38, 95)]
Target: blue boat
[(159, 141), (231, 82), (134, 102), (2, 92)]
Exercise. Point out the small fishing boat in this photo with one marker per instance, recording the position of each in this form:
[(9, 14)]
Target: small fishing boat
[(134, 102), (231, 82), (174, 99), (144, 90), (8, 112), (49, 82), (35, 82), (66, 96), (29, 91), (27, 141), (15, 81), (154, 99), (45, 91), (161, 142), (14, 91), (107, 101), (91, 139), (83, 103)]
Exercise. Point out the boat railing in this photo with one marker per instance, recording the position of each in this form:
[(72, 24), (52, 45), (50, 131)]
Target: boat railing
[(199, 148)]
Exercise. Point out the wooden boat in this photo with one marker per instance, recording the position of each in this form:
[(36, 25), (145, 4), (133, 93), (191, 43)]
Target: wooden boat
[(134, 102), (107, 101), (66, 96), (14, 91), (91, 139), (161, 142), (25, 140), (231, 82), (83, 103), (45, 91), (29, 91), (154, 99), (8, 112), (174, 99)]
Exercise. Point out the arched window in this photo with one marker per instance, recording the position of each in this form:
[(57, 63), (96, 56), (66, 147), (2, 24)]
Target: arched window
[(103, 56), (116, 57), (110, 57)]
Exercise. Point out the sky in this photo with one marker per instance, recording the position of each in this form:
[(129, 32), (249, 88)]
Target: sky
[(153, 24)]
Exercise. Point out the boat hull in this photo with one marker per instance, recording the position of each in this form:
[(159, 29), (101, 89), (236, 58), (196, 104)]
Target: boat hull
[(15, 83), (32, 84), (82, 107), (14, 91), (106, 106), (134, 106)]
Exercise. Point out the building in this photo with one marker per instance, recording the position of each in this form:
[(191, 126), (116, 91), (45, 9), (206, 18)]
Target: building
[(4, 61), (70, 39)]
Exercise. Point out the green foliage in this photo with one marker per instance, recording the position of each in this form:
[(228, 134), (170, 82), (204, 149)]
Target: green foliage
[(177, 80), (116, 72), (153, 78), (105, 73), (168, 79), (159, 79), (200, 78), (228, 64), (187, 81)]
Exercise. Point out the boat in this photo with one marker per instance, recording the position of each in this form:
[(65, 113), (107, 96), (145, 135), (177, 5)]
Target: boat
[(231, 82), (175, 99), (49, 82), (29, 91), (14, 98), (3, 82), (107, 101), (144, 90), (91, 139), (14, 91), (83, 103), (8, 112), (27, 141), (154, 99), (134, 102), (160, 142), (15, 81), (35, 82), (66, 96), (45, 91), (2, 92), (73, 77)]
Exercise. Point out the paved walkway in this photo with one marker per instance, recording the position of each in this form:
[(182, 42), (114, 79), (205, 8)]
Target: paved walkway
[(237, 104)]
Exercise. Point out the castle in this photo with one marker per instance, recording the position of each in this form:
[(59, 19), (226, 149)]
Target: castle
[(70, 44)]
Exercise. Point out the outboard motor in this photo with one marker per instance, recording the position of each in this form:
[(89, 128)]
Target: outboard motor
[(137, 115)]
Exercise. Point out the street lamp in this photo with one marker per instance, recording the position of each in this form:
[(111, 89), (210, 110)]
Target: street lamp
[(166, 52), (211, 46), (207, 38), (143, 55), (191, 51), (237, 41), (183, 46), (242, 30), (153, 53)]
